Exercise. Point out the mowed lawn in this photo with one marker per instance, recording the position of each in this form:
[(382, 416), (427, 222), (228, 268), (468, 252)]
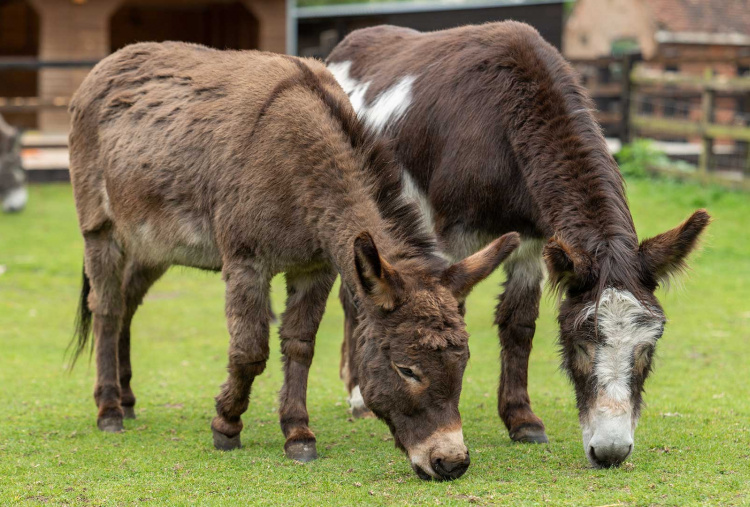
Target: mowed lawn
[(692, 444)]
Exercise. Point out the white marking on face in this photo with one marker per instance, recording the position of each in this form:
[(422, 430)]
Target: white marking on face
[(448, 444), (624, 324), (356, 402), (15, 200), (387, 108), (608, 432)]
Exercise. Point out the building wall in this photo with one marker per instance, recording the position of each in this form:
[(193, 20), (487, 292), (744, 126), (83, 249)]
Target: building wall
[(82, 31), (595, 24), (318, 36)]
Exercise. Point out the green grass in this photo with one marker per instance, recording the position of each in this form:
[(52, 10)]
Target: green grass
[(692, 444)]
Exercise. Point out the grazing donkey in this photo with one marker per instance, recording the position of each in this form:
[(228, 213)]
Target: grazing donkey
[(12, 190), (255, 164), (497, 134)]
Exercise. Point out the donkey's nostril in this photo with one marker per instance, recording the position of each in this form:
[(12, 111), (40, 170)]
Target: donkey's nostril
[(450, 470), (609, 455)]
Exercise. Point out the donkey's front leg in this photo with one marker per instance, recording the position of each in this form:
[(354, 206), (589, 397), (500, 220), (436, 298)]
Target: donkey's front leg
[(347, 370), (516, 319), (248, 317), (307, 294)]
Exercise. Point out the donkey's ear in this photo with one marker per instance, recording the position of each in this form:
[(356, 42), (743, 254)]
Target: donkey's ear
[(567, 266), (379, 280), (462, 276), (664, 255)]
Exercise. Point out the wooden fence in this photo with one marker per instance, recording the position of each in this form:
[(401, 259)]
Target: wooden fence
[(706, 128)]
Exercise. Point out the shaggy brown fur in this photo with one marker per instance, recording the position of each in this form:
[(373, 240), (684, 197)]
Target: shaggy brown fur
[(499, 135), (255, 164)]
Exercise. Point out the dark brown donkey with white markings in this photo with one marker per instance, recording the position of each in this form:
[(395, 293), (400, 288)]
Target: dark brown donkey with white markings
[(255, 164), (497, 134)]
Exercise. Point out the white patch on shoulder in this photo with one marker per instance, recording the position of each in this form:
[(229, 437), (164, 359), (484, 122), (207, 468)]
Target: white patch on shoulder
[(352, 87), (624, 323), (387, 108), (15, 200)]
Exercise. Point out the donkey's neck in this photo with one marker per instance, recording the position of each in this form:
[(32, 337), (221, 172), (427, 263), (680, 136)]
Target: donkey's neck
[(346, 211), (574, 182)]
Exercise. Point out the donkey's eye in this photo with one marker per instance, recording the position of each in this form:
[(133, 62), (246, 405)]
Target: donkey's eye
[(407, 372)]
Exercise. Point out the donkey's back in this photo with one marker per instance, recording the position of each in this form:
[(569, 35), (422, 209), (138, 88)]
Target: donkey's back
[(164, 148)]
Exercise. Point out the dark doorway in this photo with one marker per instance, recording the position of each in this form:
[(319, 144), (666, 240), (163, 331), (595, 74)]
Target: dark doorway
[(223, 26), (19, 37)]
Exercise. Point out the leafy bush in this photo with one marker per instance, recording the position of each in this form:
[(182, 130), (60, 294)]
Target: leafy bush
[(635, 158)]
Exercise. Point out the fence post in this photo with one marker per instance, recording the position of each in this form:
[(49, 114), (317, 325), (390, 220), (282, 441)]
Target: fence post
[(627, 91), (707, 106)]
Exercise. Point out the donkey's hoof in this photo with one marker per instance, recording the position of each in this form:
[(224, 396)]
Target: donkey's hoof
[(529, 434), (225, 443), (110, 424), (129, 412), (302, 451)]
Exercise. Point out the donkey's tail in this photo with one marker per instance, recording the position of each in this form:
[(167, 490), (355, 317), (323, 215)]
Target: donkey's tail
[(83, 323)]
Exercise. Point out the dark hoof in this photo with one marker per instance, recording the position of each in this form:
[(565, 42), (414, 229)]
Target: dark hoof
[(301, 451), (225, 443), (129, 412), (362, 413), (110, 424), (529, 434)]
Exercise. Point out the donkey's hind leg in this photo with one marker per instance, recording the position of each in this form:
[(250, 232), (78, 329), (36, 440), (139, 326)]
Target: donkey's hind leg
[(104, 264), (307, 294), (516, 319), (248, 316), (138, 280)]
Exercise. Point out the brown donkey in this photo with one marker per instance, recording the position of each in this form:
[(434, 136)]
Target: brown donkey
[(255, 164), (496, 134)]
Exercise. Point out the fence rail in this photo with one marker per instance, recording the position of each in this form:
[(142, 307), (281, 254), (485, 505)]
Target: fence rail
[(618, 85), (706, 128)]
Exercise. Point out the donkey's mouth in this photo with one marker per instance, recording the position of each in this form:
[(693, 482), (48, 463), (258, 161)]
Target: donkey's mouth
[(600, 463), (421, 473)]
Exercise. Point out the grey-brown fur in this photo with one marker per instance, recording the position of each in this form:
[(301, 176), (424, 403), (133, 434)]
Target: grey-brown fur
[(254, 164)]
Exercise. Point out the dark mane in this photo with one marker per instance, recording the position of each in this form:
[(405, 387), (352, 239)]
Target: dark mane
[(404, 218), (566, 160)]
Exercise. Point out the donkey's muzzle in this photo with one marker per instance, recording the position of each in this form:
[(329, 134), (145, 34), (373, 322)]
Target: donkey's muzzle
[(610, 455), (451, 469)]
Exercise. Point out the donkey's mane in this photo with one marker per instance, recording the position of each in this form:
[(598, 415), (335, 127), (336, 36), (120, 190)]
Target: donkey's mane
[(404, 219), (580, 191)]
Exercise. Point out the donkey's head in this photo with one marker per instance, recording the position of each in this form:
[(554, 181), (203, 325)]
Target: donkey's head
[(413, 348), (12, 191), (610, 322)]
